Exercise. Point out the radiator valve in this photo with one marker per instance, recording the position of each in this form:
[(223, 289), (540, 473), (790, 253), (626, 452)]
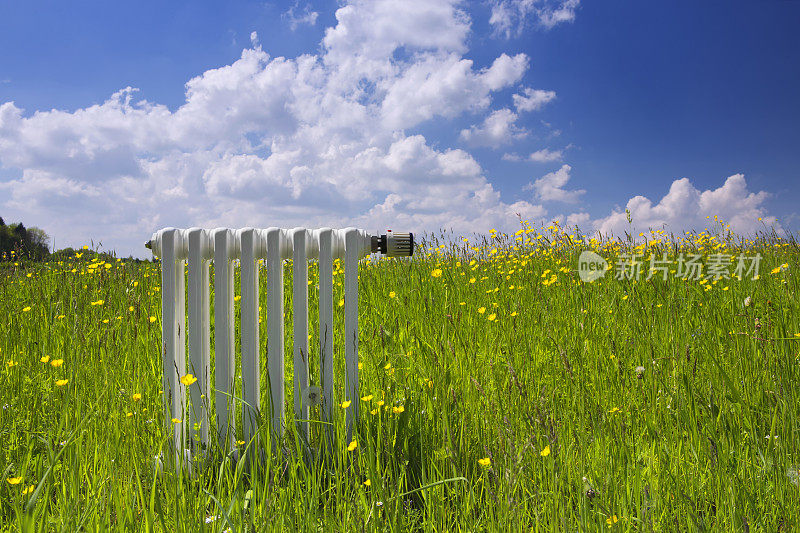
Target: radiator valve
[(394, 244)]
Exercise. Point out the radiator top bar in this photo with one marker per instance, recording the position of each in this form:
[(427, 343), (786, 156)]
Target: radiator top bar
[(390, 244)]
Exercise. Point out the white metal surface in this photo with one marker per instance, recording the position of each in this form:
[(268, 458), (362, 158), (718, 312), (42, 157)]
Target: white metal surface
[(252, 246), (200, 252), (224, 253)]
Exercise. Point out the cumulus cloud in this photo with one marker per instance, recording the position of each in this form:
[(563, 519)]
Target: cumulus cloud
[(319, 139), (550, 187), (511, 17), (497, 129), (685, 207), (532, 99)]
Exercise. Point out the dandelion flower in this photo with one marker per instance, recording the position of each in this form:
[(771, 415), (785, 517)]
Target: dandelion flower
[(545, 452), (341, 302), (45, 359), (481, 310), (62, 382), (374, 412), (56, 363), (398, 410), (491, 317), (392, 294), (14, 480), (380, 403), (188, 379), (368, 483), (128, 414), (26, 309), (352, 446), (346, 404), (176, 420), (437, 273), (311, 396), (136, 397), (367, 398), (611, 520), (152, 319), (240, 442), (485, 461), (27, 490)]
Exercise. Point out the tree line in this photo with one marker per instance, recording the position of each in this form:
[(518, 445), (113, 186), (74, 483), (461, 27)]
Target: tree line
[(29, 242)]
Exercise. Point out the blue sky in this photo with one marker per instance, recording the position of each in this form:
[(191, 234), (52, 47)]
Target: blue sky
[(402, 114)]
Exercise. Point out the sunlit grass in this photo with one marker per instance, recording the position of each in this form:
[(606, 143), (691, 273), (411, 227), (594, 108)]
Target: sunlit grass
[(497, 391)]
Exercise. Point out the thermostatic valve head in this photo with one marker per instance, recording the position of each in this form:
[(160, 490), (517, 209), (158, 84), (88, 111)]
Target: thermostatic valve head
[(394, 244)]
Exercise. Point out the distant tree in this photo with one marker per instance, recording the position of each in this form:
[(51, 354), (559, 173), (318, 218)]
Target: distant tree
[(33, 242)]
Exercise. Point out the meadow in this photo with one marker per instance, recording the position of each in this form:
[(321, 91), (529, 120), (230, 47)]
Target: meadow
[(499, 391)]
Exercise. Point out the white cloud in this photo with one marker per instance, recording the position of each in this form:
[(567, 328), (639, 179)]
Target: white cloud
[(550, 187), (320, 139), (545, 156), (510, 17), (685, 207), (298, 17), (532, 99), (497, 129)]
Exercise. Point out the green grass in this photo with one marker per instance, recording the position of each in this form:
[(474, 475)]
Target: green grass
[(679, 445)]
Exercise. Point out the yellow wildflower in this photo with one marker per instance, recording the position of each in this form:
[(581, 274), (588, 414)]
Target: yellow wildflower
[(398, 410), (352, 446), (176, 420), (188, 379), (545, 452), (62, 382), (14, 480), (56, 363), (27, 490), (367, 398), (136, 397), (26, 309), (481, 310), (368, 483), (152, 319), (45, 359), (437, 273), (345, 404), (485, 461)]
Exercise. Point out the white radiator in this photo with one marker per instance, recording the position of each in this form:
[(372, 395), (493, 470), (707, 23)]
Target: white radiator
[(198, 247)]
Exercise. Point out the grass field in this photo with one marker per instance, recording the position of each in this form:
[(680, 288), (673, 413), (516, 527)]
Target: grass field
[(499, 393)]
